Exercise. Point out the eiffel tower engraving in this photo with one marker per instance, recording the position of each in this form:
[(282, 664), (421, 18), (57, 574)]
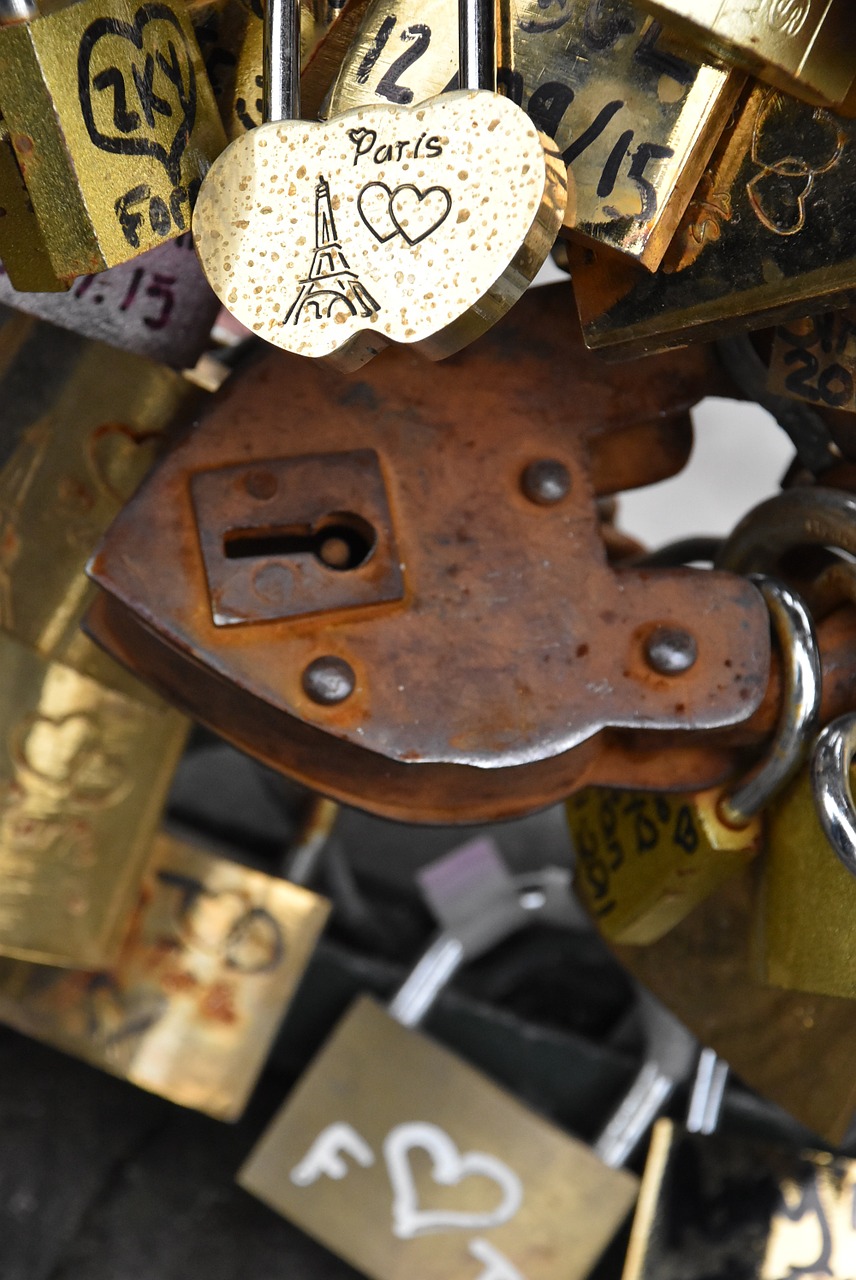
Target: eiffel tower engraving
[(331, 283)]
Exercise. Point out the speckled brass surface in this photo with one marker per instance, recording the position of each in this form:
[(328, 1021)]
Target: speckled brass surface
[(389, 224)]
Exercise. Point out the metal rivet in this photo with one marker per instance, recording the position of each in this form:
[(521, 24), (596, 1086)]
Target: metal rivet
[(260, 484), (546, 481), (329, 680), (670, 650)]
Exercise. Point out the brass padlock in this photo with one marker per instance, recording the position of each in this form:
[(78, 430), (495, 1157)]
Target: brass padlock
[(113, 125), (88, 752), (814, 359), (645, 861), (635, 122), (501, 1193), (301, 602), (717, 1204), (766, 237), (387, 229), (808, 894), (190, 1008), (805, 47)]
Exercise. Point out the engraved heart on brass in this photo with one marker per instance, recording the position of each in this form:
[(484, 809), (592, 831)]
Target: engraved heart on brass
[(384, 224)]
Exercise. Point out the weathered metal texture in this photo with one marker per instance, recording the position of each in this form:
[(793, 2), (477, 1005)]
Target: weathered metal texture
[(794, 1048), (515, 643)]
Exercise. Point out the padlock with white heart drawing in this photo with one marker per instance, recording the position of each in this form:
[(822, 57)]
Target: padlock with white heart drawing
[(419, 225), (403, 1159)]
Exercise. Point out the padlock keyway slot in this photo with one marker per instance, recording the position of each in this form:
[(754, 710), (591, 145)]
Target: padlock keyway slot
[(341, 541)]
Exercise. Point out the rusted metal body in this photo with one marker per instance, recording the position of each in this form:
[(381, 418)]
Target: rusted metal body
[(497, 661)]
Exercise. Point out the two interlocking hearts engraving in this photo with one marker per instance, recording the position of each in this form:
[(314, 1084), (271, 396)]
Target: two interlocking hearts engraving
[(450, 1167), (405, 211), (417, 225)]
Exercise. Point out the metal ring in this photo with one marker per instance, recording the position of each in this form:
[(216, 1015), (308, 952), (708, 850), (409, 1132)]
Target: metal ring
[(797, 518), (801, 690), (830, 780)]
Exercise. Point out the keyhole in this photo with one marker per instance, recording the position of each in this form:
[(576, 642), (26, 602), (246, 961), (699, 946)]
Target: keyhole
[(341, 541)]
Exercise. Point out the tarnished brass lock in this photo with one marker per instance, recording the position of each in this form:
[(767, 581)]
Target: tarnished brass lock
[(805, 47), (383, 225), (159, 305), (713, 1203), (301, 601), (212, 956), (766, 237), (88, 752), (814, 359), (635, 123), (645, 861), (808, 894), (502, 1192), (113, 125)]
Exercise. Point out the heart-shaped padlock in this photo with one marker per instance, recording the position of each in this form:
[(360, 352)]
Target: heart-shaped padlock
[(418, 225)]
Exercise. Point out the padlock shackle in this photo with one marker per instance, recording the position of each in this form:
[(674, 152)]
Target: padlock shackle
[(477, 44), (708, 1093), (831, 762), (17, 11), (281, 61)]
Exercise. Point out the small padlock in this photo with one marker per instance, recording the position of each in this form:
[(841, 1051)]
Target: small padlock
[(814, 359), (113, 125), (712, 1204), (766, 237), (635, 122), (645, 861), (88, 751), (808, 894), (805, 47), (402, 1158), (211, 959), (417, 225)]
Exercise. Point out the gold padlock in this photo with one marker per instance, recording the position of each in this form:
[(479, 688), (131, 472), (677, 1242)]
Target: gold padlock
[(806, 47), (113, 125), (645, 861), (814, 359), (808, 894), (635, 122), (189, 1009), (765, 238), (405, 1160), (88, 751), (388, 229)]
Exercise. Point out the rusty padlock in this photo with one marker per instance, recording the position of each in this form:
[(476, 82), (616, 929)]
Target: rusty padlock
[(303, 602)]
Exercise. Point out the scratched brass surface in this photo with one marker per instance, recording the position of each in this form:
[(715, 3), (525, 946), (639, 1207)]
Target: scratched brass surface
[(728, 1206), (189, 1009), (645, 860), (112, 139), (449, 1171), (807, 903), (635, 123), (419, 225), (814, 359), (84, 772), (806, 47), (768, 235), (81, 426)]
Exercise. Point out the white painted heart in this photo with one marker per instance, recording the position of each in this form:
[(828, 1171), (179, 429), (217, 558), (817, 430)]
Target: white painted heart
[(449, 1168), (419, 225)]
